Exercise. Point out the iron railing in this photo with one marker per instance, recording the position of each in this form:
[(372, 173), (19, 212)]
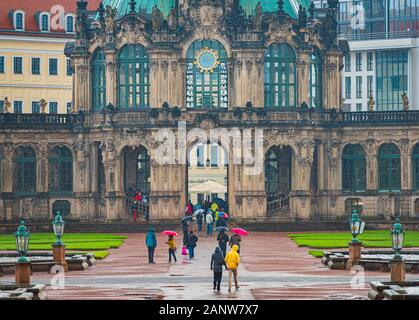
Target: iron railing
[(37, 121)]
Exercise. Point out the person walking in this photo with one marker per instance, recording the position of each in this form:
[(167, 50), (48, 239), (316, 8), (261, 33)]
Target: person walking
[(191, 244), (217, 263), (199, 219), (209, 220), (151, 243), (185, 230), (232, 260), (235, 239), (172, 248), (222, 239)]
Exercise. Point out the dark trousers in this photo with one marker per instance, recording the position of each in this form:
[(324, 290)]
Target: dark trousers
[(223, 250), (199, 226), (191, 251), (172, 254), (151, 254), (217, 280)]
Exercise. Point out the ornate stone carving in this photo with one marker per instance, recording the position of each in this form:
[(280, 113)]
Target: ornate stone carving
[(332, 151)]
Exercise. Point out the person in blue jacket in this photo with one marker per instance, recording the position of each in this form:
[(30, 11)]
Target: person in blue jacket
[(151, 243)]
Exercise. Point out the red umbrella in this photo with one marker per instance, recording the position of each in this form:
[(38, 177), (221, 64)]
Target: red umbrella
[(170, 233), (239, 231)]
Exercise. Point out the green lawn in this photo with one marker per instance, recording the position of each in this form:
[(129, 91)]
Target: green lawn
[(97, 243), (371, 239)]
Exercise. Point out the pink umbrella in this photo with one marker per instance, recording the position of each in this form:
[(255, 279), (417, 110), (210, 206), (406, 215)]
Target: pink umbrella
[(239, 231), (170, 233)]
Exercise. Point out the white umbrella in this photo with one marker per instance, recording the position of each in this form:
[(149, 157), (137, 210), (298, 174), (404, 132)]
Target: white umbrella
[(199, 211), (208, 187)]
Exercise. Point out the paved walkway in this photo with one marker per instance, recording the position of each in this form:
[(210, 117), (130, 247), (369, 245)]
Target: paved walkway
[(273, 267)]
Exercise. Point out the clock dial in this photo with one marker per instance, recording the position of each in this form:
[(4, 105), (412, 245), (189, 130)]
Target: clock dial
[(207, 60)]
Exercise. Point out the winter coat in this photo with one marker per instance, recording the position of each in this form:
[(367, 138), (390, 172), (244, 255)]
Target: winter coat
[(233, 258), (150, 239), (171, 243), (214, 207), (208, 218), (222, 239), (235, 240), (217, 261), (191, 240)]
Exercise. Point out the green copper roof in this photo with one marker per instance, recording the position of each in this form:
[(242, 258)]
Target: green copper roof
[(290, 6)]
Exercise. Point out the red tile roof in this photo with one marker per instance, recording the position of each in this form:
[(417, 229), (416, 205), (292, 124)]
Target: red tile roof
[(32, 7)]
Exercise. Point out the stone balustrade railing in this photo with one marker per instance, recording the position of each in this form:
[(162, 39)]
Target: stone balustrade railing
[(166, 117)]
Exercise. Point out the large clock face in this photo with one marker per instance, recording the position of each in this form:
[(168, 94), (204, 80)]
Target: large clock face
[(207, 60)]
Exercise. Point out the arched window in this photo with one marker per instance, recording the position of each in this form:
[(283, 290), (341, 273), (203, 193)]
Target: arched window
[(271, 173), (137, 169), (70, 24), (353, 203), (61, 206), (206, 75), (25, 171), (60, 171), (353, 168), (98, 80), (415, 167), (389, 168), (280, 74), (19, 21), (44, 22), (278, 173), (315, 80), (133, 80)]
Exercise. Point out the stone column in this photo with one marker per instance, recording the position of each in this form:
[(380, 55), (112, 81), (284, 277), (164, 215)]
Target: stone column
[(372, 165), (303, 73), (82, 82), (405, 169), (332, 94), (111, 77), (42, 169), (7, 167)]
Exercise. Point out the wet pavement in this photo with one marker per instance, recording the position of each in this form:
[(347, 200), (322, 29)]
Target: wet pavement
[(272, 267)]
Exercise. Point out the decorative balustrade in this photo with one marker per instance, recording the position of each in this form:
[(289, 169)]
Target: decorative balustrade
[(37, 121), (278, 205), (155, 118)]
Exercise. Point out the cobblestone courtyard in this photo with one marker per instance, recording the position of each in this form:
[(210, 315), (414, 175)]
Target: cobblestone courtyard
[(273, 267)]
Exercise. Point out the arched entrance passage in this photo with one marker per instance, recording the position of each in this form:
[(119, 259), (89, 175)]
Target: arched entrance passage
[(278, 178), (137, 169), (207, 173)]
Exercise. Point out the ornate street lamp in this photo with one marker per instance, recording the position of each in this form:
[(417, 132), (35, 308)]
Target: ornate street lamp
[(356, 225), (397, 238), (22, 242), (58, 226)]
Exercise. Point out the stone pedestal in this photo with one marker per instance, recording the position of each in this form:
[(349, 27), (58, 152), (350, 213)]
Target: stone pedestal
[(23, 273), (354, 254), (398, 271), (58, 251)]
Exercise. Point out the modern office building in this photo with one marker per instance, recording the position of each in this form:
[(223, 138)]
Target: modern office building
[(383, 61), (33, 66)]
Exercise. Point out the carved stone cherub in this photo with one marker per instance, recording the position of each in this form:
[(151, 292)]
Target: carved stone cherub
[(42, 105), (110, 15), (257, 19), (405, 101), (371, 104), (7, 105)]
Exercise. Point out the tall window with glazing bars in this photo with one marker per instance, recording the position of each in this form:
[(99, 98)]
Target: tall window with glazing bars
[(206, 75), (353, 168), (280, 74), (133, 78), (60, 164), (98, 80), (315, 93)]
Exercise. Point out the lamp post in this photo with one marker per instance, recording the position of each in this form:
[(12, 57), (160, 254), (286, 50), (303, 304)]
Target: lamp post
[(58, 248), (355, 246), (397, 264), (23, 265)]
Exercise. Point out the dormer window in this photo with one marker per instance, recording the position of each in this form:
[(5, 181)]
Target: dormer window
[(19, 20), (69, 23), (44, 22)]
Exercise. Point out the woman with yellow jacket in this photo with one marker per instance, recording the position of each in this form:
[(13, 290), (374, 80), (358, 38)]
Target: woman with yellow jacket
[(232, 260)]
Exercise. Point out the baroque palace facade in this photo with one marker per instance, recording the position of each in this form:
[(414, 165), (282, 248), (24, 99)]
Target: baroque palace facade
[(209, 64)]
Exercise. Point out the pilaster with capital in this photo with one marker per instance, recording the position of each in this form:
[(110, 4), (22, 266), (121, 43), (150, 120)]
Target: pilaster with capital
[(332, 85), (303, 73)]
